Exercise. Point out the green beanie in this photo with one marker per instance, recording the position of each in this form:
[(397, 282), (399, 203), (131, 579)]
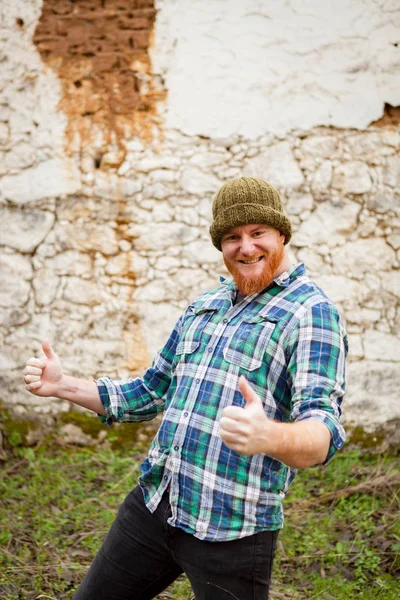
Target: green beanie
[(244, 201)]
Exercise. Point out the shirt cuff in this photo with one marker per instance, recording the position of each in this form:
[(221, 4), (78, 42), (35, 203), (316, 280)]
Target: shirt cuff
[(105, 400), (338, 434)]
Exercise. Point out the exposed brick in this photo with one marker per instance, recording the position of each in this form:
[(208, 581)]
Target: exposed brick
[(149, 13), (78, 33), (127, 22), (62, 26), (105, 62), (390, 117), (90, 5), (53, 46), (62, 7), (141, 39), (122, 39), (100, 40)]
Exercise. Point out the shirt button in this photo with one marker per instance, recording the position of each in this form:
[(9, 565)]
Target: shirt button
[(225, 320), (165, 477), (185, 414), (176, 448), (210, 349), (197, 381)]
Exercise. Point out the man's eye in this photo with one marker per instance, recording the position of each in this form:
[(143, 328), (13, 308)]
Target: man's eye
[(258, 233)]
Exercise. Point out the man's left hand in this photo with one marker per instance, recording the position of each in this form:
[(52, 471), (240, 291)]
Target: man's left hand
[(249, 431), (245, 430)]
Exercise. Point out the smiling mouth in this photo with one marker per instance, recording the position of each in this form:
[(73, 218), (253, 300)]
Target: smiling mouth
[(251, 262)]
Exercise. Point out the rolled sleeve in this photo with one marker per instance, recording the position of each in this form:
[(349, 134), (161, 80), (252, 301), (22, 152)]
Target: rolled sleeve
[(317, 350), (128, 401), (338, 434)]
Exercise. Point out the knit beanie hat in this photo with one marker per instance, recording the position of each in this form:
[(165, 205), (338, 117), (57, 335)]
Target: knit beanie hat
[(244, 201)]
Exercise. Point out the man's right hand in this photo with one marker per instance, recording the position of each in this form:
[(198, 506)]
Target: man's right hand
[(43, 376)]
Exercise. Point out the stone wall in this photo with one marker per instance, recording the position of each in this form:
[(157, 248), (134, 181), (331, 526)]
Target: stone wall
[(105, 211)]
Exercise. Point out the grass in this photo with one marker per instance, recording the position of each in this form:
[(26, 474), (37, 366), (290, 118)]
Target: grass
[(341, 539)]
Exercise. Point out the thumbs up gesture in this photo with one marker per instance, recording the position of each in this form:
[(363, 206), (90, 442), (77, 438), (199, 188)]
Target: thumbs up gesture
[(245, 430), (42, 376)]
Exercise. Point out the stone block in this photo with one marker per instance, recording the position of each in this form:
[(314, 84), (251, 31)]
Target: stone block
[(120, 265), (391, 282), (45, 284), (372, 393), (322, 177), (391, 171), (16, 272), (195, 181), (381, 346), (367, 145), (318, 147), (298, 204), (363, 256), (352, 177), (86, 237), (383, 201), (54, 177), (82, 291), (313, 262), (202, 252), (328, 224), (356, 350), (24, 230), (277, 165), (338, 287), (159, 236), (394, 240)]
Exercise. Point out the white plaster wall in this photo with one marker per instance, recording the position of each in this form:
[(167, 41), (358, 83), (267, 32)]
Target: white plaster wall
[(266, 66)]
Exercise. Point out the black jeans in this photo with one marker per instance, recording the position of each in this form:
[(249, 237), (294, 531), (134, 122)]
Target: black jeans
[(142, 555)]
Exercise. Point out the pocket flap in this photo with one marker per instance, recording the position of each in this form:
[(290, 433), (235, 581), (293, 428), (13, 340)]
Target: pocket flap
[(238, 358), (201, 310), (262, 318), (187, 347)]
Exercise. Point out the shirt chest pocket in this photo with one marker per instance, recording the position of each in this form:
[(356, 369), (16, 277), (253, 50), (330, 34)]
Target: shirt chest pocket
[(250, 340), (196, 330)]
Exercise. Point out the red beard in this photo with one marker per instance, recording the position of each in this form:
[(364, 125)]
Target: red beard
[(248, 285)]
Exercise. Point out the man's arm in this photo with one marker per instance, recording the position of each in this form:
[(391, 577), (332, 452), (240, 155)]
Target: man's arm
[(45, 377), (316, 351), (249, 431)]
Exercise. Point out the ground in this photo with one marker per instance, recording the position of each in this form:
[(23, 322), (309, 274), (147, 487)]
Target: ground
[(341, 538)]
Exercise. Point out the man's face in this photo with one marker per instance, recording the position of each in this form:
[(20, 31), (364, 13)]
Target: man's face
[(254, 255)]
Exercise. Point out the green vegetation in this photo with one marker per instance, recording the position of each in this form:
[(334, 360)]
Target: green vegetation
[(341, 539)]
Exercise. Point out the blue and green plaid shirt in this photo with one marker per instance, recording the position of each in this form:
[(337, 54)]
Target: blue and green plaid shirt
[(290, 344)]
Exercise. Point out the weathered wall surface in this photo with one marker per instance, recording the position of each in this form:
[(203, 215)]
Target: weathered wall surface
[(113, 145), (261, 66)]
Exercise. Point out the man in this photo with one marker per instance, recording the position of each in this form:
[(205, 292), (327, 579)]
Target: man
[(250, 382)]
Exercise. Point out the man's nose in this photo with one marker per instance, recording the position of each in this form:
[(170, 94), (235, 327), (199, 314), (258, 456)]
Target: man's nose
[(246, 246)]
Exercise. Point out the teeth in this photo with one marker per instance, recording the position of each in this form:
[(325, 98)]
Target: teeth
[(251, 262)]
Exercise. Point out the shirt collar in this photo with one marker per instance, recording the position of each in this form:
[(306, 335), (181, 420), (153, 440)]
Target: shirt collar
[(285, 278)]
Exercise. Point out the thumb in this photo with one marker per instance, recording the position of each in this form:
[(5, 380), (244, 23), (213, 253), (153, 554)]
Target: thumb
[(47, 349), (249, 394)]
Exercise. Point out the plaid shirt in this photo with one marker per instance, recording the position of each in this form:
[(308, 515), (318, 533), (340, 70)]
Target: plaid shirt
[(290, 344)]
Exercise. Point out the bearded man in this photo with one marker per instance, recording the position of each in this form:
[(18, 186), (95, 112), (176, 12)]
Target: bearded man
[(250, 382)]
